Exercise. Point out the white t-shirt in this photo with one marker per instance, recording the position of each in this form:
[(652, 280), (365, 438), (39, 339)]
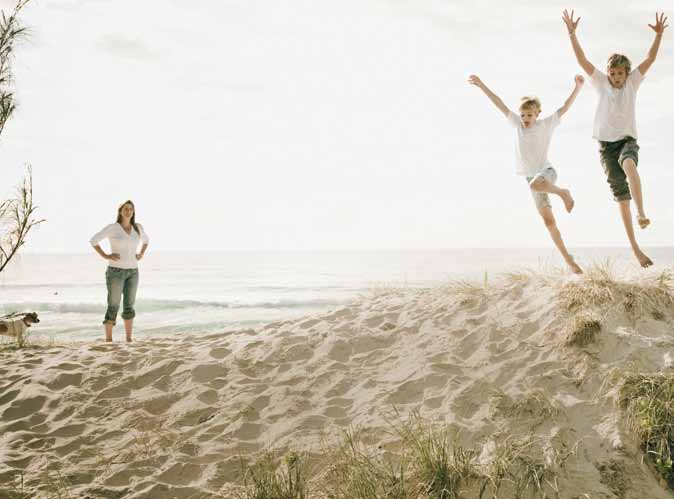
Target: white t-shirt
[(531, 148), (125, 245), (615, 118)]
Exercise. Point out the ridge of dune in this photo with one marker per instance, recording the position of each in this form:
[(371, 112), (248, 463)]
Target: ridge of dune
[(171, 417)]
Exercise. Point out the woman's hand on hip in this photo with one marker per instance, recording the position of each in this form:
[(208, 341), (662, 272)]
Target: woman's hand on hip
[(139, 256), (113, 256)]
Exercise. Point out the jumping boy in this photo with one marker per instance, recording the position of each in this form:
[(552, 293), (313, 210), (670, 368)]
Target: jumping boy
[(615, 125), (533, 141)]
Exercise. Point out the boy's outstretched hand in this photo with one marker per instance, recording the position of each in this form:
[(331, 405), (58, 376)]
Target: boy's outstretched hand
[(571, 24), (579, 80), (475, 80), (660, 25)]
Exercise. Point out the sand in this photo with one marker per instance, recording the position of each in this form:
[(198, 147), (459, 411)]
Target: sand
[(171, 417)]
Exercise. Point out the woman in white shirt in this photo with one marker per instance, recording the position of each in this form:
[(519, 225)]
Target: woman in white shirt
[(121, 277)]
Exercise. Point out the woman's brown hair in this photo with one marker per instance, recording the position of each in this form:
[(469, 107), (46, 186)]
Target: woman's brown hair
[(133, 218)]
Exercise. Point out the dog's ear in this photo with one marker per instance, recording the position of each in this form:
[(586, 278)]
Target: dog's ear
[(3, 327), (33, 317)]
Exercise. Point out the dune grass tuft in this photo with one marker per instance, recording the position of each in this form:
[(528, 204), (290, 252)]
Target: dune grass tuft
[(358, 471), (584, 330), (440, 463), (431, 463), (600, 288), (266, 479), (648, 403)]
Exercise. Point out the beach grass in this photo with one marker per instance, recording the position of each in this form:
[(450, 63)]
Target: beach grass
[(583, 331), (267, 479), (648, 405), (649, 295), (427, 462)]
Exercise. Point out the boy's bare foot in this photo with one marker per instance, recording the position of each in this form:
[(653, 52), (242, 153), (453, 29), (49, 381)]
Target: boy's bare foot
[(643, 221), (644, 261), (574, 267), (568, 200)]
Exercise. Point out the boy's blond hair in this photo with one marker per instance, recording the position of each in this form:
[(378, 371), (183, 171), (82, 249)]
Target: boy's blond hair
[(529, 102), (619, 60)]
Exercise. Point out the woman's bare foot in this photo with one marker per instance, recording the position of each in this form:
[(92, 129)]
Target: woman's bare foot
[(574, 267), (568, 200), (644, 261), (643, 221)]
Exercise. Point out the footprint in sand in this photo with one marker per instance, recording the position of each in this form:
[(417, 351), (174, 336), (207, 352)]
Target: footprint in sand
[(470, 344), (341, 314), (67, 366), (297, 353), (28, 364), (368, 343), (73, 445), (315, 422), (63, 380), (156, 372), (248, 431), (340, 402), (220, 353), (413, 390), (260, 403), (64, 414), (23, 408), (181, 474), (21, 463), (8, 397), (335, 412), (341, 351), (308, 323), (208, 372), (341, 388), (208, 397), (114, 393), (470, 399), (159, 405), (198, 416), (434, 402)]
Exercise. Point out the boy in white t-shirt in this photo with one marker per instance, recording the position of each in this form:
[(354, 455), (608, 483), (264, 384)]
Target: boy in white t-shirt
[(615, 125), (531, 151)]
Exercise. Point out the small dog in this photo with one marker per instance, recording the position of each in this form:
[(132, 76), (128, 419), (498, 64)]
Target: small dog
[(15, 325)]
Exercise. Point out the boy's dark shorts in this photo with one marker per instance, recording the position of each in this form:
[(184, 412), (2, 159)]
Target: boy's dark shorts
[(612, 156)]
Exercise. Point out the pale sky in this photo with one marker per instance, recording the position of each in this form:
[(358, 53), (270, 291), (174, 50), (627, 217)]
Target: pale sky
[(302, 125)]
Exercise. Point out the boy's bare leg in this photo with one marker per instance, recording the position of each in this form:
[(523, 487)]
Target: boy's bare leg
[(551, 225), (108, 332), (128, 327), (630, 169), (542, 185), (626, 214)]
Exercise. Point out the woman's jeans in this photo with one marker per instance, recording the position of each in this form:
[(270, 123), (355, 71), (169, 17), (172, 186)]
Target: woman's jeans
[(120, 282)]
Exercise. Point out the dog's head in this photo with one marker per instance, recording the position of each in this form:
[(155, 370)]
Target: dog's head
[(30, 318)]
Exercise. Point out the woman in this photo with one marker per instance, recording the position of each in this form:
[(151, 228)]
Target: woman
[(125, 235)]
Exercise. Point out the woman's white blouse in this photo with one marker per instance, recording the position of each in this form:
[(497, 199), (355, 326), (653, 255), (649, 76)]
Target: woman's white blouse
[(125, 245)]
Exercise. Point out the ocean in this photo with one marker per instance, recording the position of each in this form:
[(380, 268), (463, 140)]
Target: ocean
[(201, 293)]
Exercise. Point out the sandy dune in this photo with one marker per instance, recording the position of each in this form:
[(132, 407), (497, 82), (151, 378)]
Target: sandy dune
[(170, 417)]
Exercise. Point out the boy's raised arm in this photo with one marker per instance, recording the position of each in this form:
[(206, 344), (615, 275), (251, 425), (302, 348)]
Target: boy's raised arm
[(659, 28), (571, 26), (567, 104), (475, 80)]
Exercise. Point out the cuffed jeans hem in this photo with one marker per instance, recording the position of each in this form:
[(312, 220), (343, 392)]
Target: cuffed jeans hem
[(622, 197), (127, 316), (106, 322)]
